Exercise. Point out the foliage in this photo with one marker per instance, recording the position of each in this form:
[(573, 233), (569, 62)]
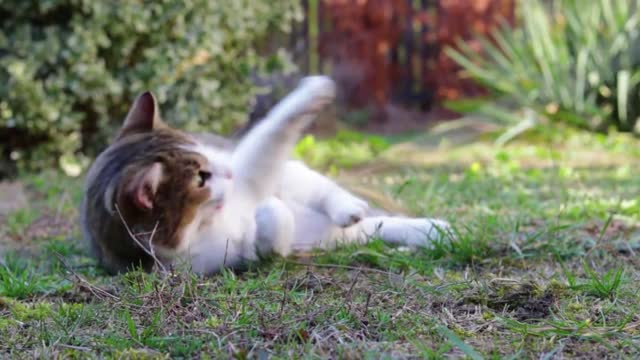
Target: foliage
[(69, 69), (346, 149), (19, 280), (603, 286), (574, 61)]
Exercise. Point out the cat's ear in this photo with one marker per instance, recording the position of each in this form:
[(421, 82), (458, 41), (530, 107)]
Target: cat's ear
[(143, 187), (144, 116)]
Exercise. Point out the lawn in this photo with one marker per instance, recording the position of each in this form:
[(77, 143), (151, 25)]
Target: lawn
[(544, 265)]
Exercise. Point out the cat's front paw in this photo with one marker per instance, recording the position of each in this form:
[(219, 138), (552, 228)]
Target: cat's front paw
[(346, 210), (317, 92), (307, 100)]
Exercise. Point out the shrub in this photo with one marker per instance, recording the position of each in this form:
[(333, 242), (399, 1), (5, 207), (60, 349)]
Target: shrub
[(69, 69), (347, 149), (573, 61)]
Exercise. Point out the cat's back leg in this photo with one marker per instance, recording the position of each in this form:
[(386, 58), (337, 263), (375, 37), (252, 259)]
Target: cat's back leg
[(308, 187), (414, 232), (274, 228), (403, 231)]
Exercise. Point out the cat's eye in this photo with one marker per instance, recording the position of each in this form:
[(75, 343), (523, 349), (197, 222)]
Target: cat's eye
[(203, 177)]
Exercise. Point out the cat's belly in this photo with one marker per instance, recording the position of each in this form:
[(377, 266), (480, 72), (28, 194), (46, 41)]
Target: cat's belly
[(226, 242)]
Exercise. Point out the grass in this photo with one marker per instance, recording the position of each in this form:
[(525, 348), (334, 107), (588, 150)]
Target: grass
[(544, 265)]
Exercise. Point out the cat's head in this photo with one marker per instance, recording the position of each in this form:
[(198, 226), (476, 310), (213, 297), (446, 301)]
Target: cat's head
[(161, 178)]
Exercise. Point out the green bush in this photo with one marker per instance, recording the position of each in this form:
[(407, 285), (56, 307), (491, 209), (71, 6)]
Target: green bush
[(69, 69), (345, 150), (573, 61)]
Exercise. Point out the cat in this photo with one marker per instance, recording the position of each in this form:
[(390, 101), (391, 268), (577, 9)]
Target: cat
[(157, 196)]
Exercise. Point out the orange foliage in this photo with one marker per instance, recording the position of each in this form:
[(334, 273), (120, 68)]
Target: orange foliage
[(461, 19), (360, 38), (361, 35)]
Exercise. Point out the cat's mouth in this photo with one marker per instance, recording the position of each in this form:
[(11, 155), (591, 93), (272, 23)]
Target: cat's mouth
[(216, 203)]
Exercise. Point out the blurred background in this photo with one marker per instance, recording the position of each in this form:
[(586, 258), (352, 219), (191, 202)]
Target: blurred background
[(69, 69)]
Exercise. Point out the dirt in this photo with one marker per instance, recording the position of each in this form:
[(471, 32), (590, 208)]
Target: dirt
[(523, 302), (12, 197), (46, 226)]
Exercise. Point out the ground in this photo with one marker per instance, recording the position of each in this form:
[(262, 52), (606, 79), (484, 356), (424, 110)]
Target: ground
[(544, 265)]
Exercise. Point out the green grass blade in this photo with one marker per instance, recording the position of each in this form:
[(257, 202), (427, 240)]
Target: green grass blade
[(623, 95), (495, 54), (481, 74), (455, 340), (131, 326), (528, 123), (581, 79)]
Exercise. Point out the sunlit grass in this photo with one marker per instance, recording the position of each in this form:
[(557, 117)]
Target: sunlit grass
[(546, 237)]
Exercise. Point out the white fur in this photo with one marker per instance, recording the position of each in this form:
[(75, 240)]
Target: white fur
[(273, 204)]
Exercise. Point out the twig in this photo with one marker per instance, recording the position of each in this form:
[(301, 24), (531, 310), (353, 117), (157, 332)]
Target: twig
[(353, 284), (308, 316), (337, 266), (81, 348), (98, 292), (226, 248), (284, 293), (366, 305), (139, 243), (152, 250)]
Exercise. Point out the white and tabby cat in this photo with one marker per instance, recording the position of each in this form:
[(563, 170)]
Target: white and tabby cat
[(157, 192)]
